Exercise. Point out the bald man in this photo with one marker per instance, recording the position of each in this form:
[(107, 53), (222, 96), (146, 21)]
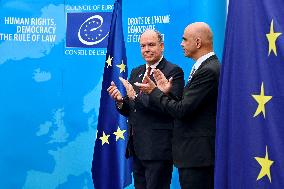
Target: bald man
[(151, 130), (195, 114)]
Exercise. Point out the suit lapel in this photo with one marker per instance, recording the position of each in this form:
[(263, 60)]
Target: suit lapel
[(161, 67), (140, 74), (162, 64), (142, 69), (200, 68), (206, 62)]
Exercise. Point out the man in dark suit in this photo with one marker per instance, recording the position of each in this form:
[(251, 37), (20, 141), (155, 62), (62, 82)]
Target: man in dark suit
[(150, 140), (195, 125)]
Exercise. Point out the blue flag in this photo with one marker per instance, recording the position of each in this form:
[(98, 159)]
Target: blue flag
[(110, 169), (250, 119)]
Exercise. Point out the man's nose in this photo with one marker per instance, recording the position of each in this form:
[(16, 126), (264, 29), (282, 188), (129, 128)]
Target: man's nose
[(146, 48)]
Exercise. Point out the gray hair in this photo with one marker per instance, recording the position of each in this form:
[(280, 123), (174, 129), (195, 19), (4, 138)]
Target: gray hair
[(159, 35)]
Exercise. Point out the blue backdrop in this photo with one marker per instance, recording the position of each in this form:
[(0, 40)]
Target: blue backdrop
[(51, 67)]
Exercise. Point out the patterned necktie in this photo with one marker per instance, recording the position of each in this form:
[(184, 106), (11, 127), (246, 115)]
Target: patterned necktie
[(191, 74)]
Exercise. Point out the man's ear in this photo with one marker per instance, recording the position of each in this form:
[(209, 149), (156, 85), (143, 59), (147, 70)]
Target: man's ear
[(162, 46), (198, 42)]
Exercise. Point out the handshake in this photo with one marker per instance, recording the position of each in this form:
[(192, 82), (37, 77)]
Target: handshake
[(161, 82)]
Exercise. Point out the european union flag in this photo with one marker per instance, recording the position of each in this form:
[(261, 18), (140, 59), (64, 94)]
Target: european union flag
[(110, 169), (250, 123), (87, 29)]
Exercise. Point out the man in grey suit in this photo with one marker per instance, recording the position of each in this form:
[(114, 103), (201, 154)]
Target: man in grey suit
[(195, 125), (151, 130)]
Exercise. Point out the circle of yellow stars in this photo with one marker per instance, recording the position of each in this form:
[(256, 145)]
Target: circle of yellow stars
[(119, 134), (262, 100), (121, 66)]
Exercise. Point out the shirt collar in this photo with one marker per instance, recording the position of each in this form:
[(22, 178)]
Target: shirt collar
[(202, 59), (153, 66)]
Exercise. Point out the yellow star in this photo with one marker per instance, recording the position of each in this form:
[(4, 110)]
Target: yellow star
[(121, 66), (265, 164), (261, 100), (104, 138), (272, 37), (108, 61), (119, 134)]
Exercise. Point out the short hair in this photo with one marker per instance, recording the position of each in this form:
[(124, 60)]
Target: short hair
[(159, 35)]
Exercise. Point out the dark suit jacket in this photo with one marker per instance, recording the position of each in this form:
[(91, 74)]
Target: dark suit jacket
[(152, 129), (195, 124)]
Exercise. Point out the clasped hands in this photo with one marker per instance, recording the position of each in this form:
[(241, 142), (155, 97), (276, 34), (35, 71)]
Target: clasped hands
[(161, 82)]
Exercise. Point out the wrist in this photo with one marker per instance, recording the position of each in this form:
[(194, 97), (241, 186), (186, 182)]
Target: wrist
[(152, 89), (119, 100), (119, 104)]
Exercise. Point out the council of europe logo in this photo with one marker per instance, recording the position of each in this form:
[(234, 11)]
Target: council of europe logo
[(89, 30)]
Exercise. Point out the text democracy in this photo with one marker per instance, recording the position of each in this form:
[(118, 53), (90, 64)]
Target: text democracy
[(36, 29)]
